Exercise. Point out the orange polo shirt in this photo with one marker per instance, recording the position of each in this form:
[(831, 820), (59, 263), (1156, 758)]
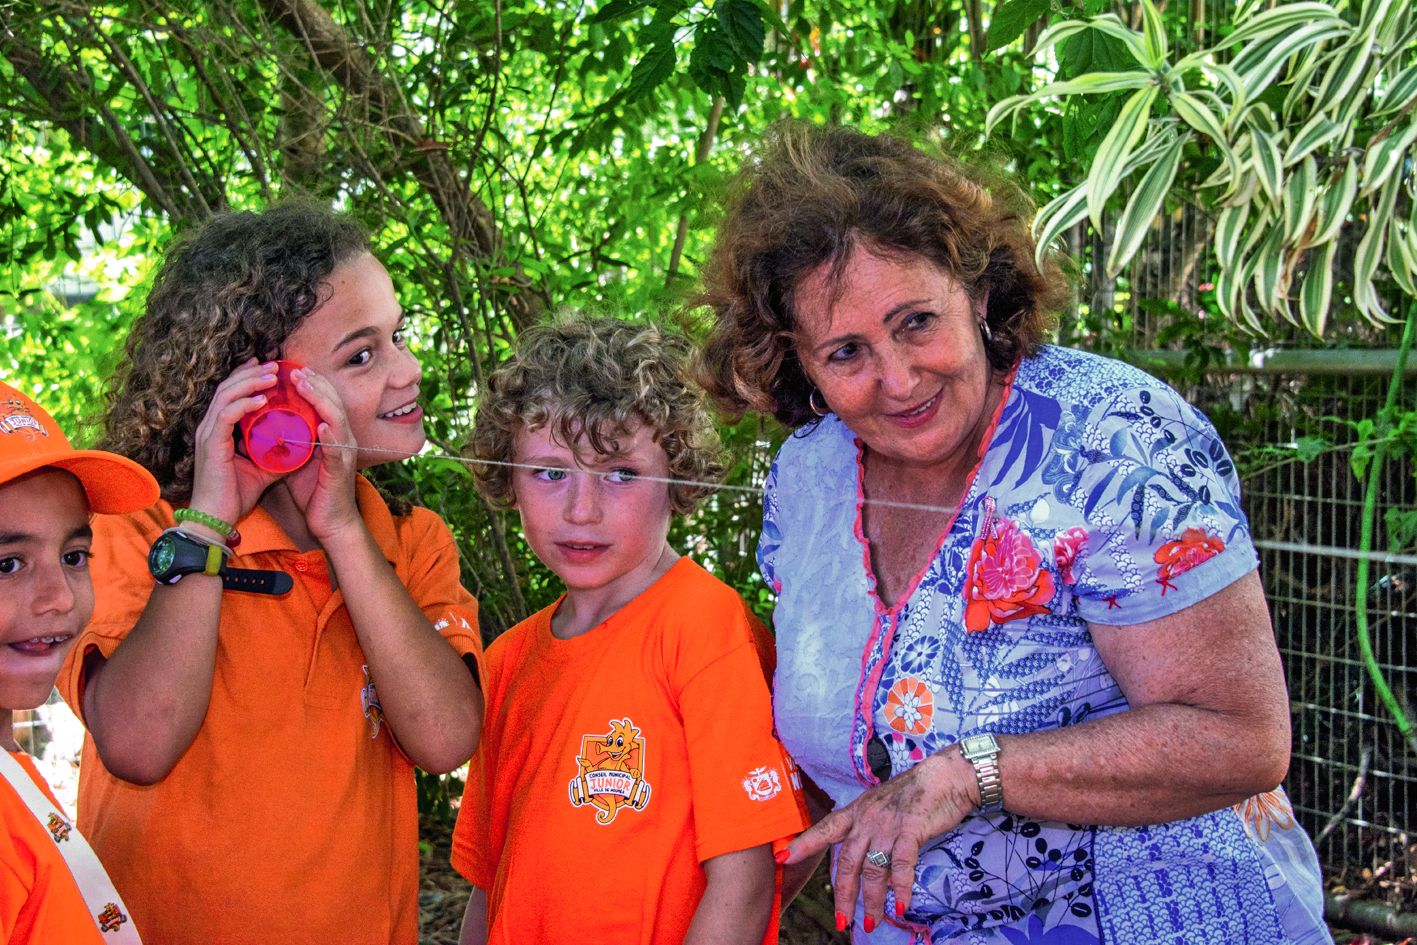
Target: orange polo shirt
[(293, 816), (614, 763), (40, 904)]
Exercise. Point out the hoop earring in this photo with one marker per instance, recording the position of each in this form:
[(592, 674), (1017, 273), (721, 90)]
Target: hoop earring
[(812, 399), (986, 332)]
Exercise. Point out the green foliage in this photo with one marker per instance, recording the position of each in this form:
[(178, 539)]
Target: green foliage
[(513, 158), (1302, 102)]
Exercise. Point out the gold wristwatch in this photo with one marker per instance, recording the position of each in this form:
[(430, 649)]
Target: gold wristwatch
[(982, 751)]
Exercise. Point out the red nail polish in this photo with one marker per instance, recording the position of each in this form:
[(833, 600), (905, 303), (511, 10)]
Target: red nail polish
[(869, 924), (780, 857), (841, 921), (899, 909)]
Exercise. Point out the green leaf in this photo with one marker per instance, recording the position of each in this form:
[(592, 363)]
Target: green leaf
[(1335, 202), (1146, 201), (1269, 270), (1060, 215), (1401, 92), (1258, 65), (1116, 147), (1385, 157), (1092, 51), (1348, 64), (1153, 35), (1228, 228), (1318, 132), (1011, 18), (1108, 23), (1300, 196), (1310, 448), (617, 9), (1278, 20), (1268, 163), (1317, 291), (712, 48), (1198, 115), (650, 72), (1399, 255), (1366, 257), (742, 23)]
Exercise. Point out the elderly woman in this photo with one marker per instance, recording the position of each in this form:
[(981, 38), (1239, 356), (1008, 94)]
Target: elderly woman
[(1023, 646)]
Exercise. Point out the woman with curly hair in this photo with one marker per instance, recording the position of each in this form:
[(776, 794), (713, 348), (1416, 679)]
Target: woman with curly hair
[(1023, 647), (255, 716)]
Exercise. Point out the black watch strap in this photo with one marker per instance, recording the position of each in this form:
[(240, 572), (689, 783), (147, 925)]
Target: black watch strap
[(253, 581)]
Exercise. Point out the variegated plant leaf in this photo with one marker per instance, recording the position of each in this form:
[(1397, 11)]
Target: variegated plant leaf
[(1146, 201), (1122, 138), (1316, 294)]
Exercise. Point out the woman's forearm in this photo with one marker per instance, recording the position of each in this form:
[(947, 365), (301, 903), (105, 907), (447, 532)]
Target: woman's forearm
[(1147, 765), (1208, 724)]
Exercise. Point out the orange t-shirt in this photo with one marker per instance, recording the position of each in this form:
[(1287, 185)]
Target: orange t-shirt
[(40, 904), (613, 763), (293, 816)]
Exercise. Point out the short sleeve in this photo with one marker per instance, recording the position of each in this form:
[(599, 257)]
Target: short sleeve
[(745, 790), (472, 835), (1160, 501), (770, 538), (434, 582), (121, 585)]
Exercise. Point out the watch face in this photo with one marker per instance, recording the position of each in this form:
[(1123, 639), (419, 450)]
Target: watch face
[(163, 554)]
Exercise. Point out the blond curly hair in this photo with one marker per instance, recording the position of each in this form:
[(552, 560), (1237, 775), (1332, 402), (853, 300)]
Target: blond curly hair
[(597, 378), (233, 289)]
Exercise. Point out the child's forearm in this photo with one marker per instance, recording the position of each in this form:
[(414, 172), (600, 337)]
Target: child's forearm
[(474, 919), (432, 703), (737, 902), (145, 704)]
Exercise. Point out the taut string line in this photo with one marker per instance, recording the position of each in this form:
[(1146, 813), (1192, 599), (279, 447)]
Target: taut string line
[(1261, 543), (716, 486)]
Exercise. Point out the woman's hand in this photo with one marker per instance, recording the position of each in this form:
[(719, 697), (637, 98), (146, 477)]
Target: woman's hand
[(329, 505), (895, 817), (224, 483)]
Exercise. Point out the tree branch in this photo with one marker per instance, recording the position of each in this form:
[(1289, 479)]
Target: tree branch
[(469, 219), (71, 104)]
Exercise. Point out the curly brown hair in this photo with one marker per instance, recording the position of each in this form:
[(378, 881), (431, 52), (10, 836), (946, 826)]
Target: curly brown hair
[(233, 289), (596, 378), (811, 196)]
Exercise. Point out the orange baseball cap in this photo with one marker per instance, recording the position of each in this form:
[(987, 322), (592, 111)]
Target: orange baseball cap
[(30, 440)]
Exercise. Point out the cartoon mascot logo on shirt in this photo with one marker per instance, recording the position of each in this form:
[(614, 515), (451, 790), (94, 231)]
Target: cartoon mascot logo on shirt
[(611, 772)]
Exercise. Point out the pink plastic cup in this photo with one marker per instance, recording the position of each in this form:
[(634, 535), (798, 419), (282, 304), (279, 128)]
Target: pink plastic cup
[(279, 436)]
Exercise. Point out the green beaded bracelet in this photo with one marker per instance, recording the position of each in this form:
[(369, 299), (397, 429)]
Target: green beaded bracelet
[(209, 520)]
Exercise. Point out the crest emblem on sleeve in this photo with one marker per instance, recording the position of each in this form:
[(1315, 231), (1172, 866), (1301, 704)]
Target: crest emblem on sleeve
[(763, 784)]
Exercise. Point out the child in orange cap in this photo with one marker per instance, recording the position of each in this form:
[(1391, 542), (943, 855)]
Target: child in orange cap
[(259, 685), (52, 887), (628, 787)]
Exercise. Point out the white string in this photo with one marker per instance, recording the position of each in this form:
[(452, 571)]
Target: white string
[(1294, 547), (714, 486)]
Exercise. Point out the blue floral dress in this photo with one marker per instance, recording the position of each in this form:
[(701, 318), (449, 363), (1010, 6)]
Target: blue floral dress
[(1103, 497)]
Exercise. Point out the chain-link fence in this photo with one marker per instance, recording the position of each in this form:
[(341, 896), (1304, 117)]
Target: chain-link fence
[(1352, 779)]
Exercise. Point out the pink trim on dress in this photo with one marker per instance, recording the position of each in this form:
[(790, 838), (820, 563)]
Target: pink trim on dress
[(871, 682)]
